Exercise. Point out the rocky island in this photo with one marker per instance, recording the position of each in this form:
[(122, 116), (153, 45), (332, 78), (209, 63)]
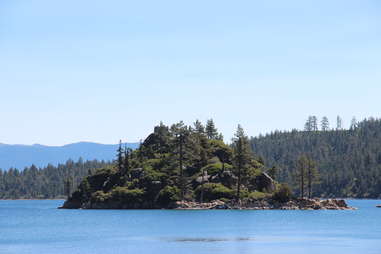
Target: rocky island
[(189, 167)]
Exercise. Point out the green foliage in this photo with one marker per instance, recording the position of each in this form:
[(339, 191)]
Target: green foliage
[(126, 195), (164, 169), (258, 195), (100, 196), (283, 193), (212, 169), (213, 191), (168, 195), (348, 160), (46, 182)]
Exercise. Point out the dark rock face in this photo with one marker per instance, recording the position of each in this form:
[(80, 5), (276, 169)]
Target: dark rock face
[(265, 183), (69, 204), (226, 177)]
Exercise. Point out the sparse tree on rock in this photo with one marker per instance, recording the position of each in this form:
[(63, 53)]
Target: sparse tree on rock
[(242, 157)]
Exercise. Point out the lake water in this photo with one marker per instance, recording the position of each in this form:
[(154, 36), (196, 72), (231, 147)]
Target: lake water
[(38, 227)]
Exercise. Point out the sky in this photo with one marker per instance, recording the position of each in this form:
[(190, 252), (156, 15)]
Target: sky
[(107, 70)]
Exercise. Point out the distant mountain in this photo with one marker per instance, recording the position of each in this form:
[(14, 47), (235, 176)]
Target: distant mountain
[(20, 156)]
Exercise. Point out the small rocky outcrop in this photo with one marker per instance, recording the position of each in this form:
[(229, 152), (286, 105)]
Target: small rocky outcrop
[(267, 204), (189, 205)]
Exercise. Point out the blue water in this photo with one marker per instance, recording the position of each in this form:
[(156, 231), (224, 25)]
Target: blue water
[(38, 227)]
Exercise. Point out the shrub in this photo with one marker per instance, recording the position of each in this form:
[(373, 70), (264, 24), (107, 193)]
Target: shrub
[(215, 168), (283, 194), (213, 191), (258, 195), (168, 194), (99, 196), (126, 195)]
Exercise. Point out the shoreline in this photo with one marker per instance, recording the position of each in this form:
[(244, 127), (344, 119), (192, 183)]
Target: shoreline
[(248, 204)]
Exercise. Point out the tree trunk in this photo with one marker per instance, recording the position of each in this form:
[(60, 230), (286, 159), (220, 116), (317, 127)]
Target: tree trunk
[(181, 167)]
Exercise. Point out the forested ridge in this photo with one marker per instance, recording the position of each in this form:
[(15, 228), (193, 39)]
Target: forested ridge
[(47, 182), (348, 160)]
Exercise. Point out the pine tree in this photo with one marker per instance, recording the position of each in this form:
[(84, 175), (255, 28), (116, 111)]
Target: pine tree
[(180, 131), (325, 124), (199, 127), (354, 123), (126, 160), (312, 175), (211, 131), (308, 124), (242, 156), (120, 156), (339, 123), (314, 122), (302, 165), (68, 186)]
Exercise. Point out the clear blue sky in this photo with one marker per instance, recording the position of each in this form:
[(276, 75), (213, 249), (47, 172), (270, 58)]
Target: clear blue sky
[(104, 70)]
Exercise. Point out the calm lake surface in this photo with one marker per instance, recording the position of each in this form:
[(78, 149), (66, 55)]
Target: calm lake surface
[(38, 227)]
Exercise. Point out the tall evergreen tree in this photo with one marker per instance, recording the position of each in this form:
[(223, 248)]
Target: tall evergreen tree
[(242, 156), (126, 160), (68, 186), (119, 156), (199, 127), (211, 130), (302, 165), (314, 122), (308, 125), (339, 123), (312, 175), (354, 123), (181, 133), (325, 124)]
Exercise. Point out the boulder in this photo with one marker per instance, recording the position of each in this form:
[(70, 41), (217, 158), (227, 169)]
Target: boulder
[(265, 183), (226, 177)]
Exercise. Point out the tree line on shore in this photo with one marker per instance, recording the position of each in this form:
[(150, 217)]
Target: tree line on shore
[(349, 160), (320, 162), (47, 182)]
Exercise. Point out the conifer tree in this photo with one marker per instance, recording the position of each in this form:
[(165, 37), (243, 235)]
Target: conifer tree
[(211, 131), (339, 123), (325, 124), (126, 161), (180, 131), (302, 165), (199, 127), (354, 123), (120, 156), (312, 175), (242, 156), (68, 186), (314, 122)]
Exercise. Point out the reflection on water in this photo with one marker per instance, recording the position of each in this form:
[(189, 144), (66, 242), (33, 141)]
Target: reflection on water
[(208, 239)]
